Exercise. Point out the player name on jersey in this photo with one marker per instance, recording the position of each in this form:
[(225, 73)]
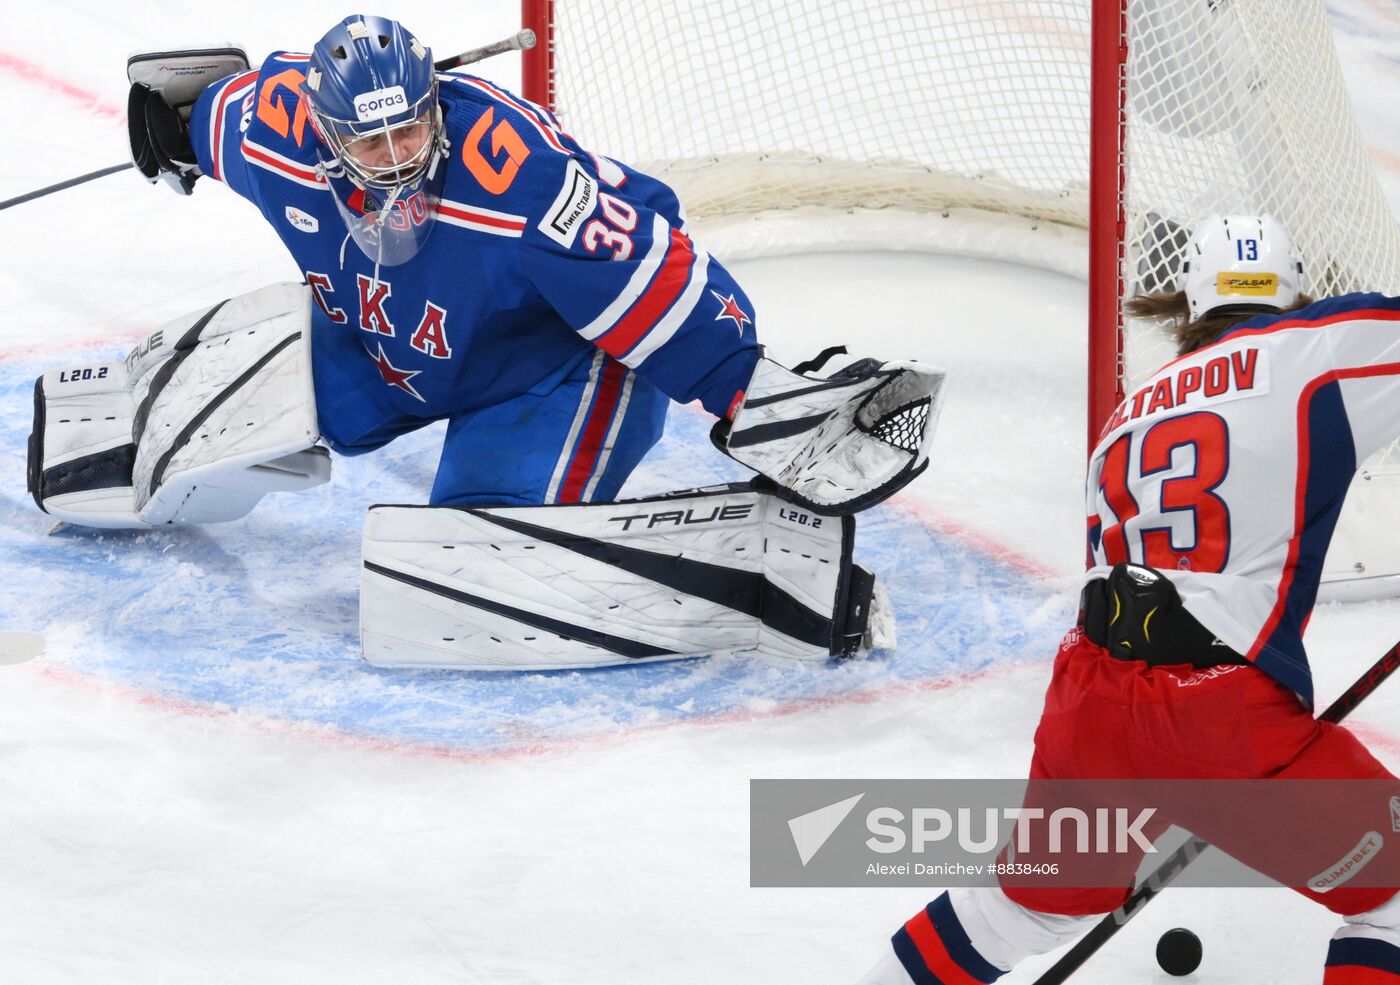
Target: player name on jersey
[(1224, 377)]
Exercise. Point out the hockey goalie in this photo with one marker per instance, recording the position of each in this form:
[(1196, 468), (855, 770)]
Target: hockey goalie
[(464, 259)]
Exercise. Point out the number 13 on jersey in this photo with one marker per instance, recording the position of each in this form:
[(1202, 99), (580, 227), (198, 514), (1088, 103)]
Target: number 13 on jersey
[(1156, 497)]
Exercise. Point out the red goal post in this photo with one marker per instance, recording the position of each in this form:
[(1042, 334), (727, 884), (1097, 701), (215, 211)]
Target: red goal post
[(1108, 123), (537, 63)]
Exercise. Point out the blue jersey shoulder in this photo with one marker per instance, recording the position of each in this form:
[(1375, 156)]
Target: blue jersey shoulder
[(507, 153), (280, 122), (512, 155)]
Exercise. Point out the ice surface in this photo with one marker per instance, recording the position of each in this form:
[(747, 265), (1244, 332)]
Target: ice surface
[(201, 781)]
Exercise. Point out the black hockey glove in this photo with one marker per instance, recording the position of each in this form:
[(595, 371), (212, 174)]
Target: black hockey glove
[(160, 140)]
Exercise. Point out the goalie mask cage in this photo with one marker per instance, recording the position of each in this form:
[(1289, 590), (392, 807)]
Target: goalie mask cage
[(1003, 128)]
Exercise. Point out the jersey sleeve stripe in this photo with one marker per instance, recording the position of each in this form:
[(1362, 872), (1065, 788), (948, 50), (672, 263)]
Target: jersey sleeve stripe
[(235, 89), (636, 284), (481, 220), (535, 121), (665, 329), (272, 161), (660, 294)]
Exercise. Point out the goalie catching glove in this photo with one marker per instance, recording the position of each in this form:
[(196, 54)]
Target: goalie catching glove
[(839, 444)]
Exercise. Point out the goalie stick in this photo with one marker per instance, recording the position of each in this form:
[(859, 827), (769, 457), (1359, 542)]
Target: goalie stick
[(17, 646), (1164, 874), (519, 41)]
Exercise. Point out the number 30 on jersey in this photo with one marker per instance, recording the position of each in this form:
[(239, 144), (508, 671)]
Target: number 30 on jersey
[(1157, 499)]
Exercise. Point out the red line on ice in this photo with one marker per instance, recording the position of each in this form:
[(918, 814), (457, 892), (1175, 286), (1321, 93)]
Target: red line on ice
[(37, 75), (980, 542), (1377, 740), (332, 736), (49, 348)]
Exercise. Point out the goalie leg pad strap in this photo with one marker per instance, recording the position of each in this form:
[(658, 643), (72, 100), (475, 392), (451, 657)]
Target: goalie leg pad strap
[(725, 570)]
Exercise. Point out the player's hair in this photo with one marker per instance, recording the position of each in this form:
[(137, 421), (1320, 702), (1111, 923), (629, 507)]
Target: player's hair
[(1192, 334)]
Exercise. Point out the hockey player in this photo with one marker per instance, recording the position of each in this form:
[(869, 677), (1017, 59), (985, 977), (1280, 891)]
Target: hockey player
[(1211, 497), (463, 259), (451, 238)]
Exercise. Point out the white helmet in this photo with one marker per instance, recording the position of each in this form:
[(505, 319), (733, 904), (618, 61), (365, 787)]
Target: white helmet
[(1240, 263)]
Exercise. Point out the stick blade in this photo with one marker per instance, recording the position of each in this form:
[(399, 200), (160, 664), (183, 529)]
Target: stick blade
[(17, 646)]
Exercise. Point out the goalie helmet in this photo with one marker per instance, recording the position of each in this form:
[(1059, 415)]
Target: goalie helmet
[(371, 96), (1240, 263)]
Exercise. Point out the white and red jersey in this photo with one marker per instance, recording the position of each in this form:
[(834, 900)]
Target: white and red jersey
[(1227, 469)]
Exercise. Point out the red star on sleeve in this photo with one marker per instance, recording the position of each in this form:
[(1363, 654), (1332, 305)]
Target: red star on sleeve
[(729, 308)]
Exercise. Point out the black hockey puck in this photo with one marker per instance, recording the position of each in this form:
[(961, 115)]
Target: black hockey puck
[(1179, 952)]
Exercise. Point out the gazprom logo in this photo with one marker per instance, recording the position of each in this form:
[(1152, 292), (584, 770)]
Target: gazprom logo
[(380, 104)]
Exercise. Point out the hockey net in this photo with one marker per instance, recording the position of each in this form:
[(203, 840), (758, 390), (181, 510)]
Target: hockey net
[(747, 107), (948, 107)]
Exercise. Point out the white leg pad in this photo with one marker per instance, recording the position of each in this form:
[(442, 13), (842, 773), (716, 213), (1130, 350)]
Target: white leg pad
[(81, 452), (209, 413), (726, 570)]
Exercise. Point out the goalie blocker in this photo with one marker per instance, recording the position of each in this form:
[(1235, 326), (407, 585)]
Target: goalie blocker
[(714, 571)]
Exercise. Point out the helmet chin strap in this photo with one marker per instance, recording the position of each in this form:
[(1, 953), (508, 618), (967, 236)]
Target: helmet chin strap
[(384, 211)]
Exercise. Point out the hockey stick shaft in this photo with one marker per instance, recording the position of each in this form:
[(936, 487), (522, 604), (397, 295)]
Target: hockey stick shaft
[(519, 41), (1178, 860), (81, 179), (516, 42)]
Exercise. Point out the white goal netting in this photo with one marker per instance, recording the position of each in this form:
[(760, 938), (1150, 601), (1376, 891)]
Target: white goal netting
[(1239, 106), (747, 106)]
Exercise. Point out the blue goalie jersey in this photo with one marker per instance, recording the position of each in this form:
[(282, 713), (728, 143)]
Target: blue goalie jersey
[(555, 306)]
